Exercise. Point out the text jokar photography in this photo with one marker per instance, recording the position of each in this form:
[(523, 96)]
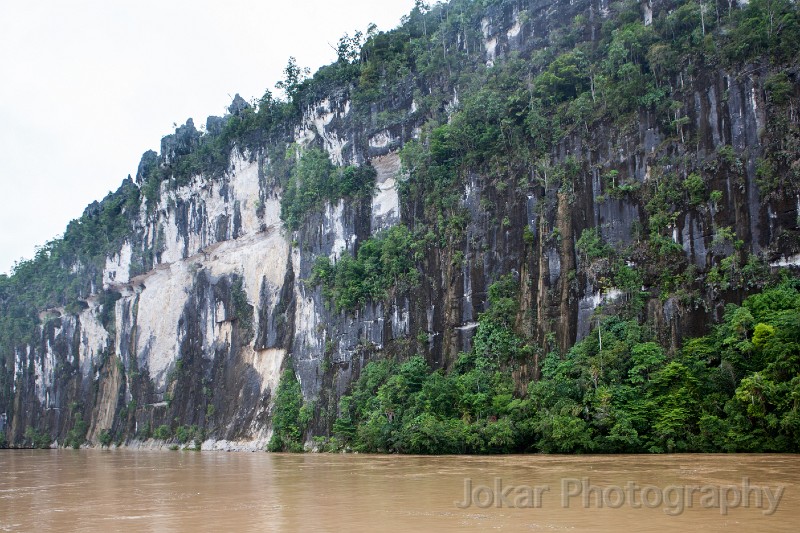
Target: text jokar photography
[(583, 493)]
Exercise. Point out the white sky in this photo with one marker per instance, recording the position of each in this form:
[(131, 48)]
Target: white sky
[(87, 86)]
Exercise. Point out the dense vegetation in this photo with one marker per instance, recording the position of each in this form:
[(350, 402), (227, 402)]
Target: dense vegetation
[(289, 417), (384, 262), (314, 180), (737, 389)]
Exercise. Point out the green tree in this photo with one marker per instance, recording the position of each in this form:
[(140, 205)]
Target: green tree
[(293, 77), (286, 426)]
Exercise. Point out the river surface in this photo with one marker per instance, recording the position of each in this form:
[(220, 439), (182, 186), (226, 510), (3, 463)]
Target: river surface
[(122, 490)]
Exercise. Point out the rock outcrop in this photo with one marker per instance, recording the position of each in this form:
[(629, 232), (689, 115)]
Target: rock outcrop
[(208, 298)]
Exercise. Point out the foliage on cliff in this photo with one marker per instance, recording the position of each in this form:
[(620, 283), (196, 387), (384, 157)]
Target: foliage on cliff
[(314, 180), (288, 420), (511, 120), (735, 390), (385, 262)]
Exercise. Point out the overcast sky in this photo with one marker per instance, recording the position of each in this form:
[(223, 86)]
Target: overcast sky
[(87, 86)]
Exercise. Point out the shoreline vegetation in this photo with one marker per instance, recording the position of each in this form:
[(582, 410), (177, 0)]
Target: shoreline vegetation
[(617, 391)]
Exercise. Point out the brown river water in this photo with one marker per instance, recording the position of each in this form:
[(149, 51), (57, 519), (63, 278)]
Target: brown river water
[(122, 490)]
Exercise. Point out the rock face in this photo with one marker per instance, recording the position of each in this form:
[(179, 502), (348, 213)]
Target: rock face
[(210, 298)]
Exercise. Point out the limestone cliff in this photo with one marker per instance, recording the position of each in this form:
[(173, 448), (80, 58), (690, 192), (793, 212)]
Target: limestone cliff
[(207, 296)]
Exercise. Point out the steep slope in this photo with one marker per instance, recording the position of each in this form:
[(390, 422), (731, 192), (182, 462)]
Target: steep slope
[(633, 159)]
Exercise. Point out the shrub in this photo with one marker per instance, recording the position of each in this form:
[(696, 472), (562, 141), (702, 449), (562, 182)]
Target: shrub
[(591, 246), (695, 188), (144, 431), (314, 180), (242, 309), (383, 263), (105, 438), (779, 88), (162, 432), (38, 440), (182, 434), (77, 435)]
